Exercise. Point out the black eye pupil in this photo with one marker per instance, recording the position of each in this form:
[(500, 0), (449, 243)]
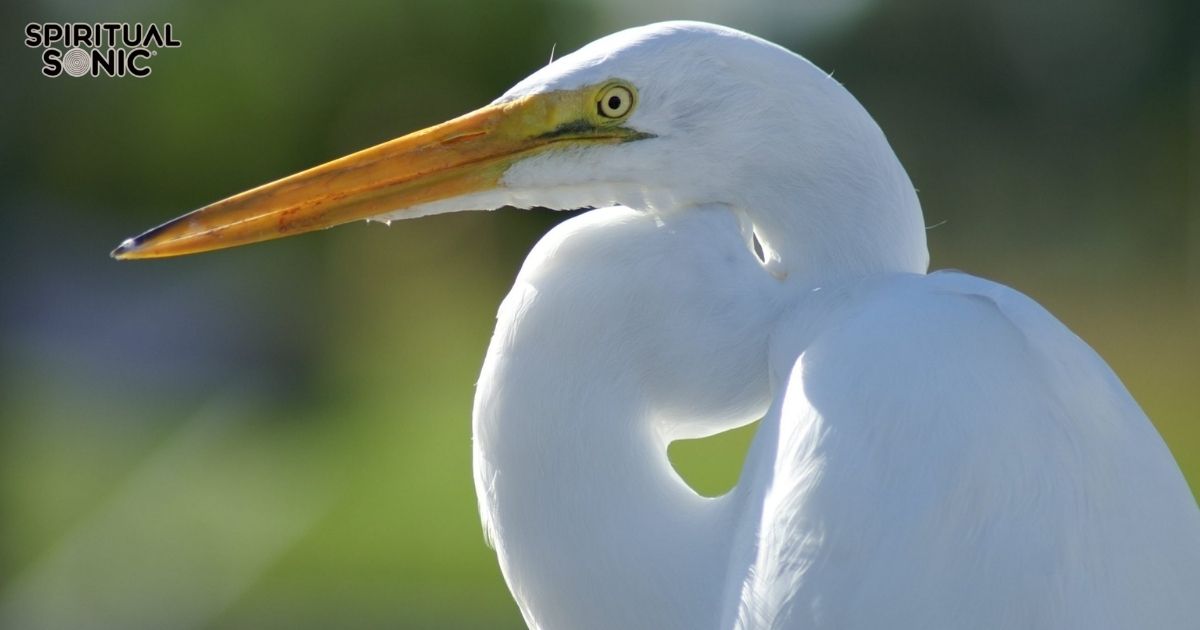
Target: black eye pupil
[(614, 102)]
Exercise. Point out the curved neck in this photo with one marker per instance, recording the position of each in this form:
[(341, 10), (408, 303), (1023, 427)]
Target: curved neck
[(834, 231), (592, 370), (592, 527), (832, 199)]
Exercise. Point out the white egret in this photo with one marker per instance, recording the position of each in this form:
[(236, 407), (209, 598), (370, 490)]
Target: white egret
[(936, 451)]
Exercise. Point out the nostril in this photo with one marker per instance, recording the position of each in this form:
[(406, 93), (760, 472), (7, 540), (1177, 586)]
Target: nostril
[(462, 137)]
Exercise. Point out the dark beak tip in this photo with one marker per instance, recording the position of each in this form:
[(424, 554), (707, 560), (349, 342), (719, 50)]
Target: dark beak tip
[(126, 247)]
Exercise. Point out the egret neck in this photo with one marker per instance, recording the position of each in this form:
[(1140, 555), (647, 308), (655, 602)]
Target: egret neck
[(840, 209), (592, 526)]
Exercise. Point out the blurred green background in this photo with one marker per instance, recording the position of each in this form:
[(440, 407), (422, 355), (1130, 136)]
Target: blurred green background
[(279, 436)]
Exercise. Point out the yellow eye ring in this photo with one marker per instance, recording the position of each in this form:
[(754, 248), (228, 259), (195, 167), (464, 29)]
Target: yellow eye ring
[(615, 101)]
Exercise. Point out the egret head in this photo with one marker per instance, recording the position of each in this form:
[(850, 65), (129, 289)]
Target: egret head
[(656, 118), (720, 115)]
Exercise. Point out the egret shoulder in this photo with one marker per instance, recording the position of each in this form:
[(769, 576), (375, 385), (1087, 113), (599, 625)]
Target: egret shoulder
[(945, 453)]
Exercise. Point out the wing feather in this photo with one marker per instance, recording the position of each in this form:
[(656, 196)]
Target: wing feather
[(946, 454)]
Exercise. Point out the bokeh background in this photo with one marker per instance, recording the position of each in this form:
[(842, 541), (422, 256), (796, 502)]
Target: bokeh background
[(279, 436)]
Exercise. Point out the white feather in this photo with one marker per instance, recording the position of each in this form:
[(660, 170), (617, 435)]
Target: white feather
[(937, 451)]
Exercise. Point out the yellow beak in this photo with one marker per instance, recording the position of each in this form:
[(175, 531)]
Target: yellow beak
[(466, 155)]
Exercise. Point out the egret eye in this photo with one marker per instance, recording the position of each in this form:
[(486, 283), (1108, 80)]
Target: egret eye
[(615, 101)]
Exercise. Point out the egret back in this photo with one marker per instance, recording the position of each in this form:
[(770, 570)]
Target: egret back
[(946, 454)]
